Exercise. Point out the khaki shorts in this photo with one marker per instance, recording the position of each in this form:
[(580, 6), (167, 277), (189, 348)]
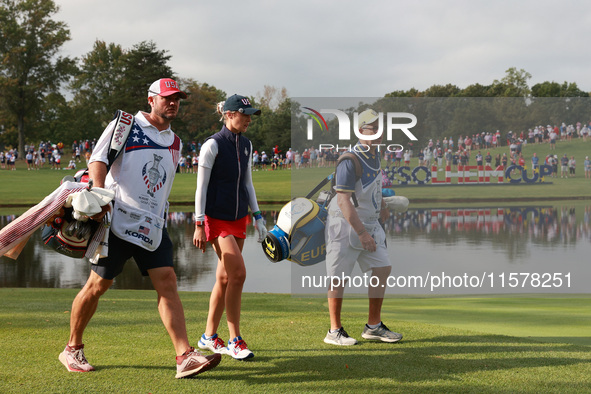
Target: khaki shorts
[(340, 254)]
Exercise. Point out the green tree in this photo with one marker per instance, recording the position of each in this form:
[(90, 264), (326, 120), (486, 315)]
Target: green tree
[(448, 90), (273, 127), (513, 84), (408, 93), (554, 89), (271, 97), (95, 89), (96, 82), (198, 118), (476, 90), (55, 124), (30, 69), (142, 65), (111, 78)]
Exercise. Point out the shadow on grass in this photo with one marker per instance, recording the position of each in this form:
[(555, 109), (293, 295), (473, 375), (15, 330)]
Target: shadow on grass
[(419, 363), (581, 341)]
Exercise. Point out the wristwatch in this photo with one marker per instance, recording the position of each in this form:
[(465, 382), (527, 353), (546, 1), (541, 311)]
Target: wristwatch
[(199, 223)]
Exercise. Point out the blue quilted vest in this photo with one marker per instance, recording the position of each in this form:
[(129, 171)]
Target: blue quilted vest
[(227, 195)]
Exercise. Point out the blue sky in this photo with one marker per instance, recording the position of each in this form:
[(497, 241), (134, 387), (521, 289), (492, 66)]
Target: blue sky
[(345, 48)]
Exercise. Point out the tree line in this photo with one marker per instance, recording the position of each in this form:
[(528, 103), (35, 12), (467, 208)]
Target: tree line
[(513, 84), (44, 96)]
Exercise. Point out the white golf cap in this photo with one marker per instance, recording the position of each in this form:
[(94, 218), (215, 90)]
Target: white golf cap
[(367, 117)]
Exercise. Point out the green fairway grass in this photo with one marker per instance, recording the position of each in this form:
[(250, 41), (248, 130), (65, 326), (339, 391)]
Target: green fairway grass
[(546, 318), (450, 345), (24, 188)]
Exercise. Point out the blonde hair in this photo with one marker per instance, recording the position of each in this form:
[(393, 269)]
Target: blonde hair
[(220, 110)]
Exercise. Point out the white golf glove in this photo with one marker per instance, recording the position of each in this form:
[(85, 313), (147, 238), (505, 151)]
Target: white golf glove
[(397, 203), (259, 224)]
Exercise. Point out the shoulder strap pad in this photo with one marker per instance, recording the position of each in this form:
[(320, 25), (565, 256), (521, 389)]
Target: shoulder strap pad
[(358, 170), (124, 123), (353, 157)]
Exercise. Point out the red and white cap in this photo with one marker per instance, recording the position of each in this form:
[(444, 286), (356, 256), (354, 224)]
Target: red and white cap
[(165, 87)]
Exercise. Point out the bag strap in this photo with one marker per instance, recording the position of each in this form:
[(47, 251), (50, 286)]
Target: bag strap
[(358, 170), (353, 157), (331, 178), (123, 125), (320, 185)]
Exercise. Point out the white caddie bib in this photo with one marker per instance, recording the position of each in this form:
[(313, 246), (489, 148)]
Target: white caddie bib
[(142, 179), (137, 226)]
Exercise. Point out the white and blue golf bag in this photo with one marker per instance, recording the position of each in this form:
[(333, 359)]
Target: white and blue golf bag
[(298, 235)]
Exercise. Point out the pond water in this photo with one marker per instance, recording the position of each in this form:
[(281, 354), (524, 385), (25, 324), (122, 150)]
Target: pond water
[(482, 250)]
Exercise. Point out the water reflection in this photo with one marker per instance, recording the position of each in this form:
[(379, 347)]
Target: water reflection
[(513, 230), (38, 266), (481, 245), (550, 238)]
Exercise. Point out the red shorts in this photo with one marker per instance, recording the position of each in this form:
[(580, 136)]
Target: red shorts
[(222, 228)]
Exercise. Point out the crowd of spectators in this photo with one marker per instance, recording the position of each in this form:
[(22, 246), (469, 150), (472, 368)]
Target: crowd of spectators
[(476, 149), (463, 150), (188, 164), (452, 152), (49, 154)]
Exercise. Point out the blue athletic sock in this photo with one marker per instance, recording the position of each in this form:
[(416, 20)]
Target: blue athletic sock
[(372, 326)]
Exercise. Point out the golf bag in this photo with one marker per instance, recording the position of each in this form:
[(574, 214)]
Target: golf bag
[(298, 235), (67, 235)]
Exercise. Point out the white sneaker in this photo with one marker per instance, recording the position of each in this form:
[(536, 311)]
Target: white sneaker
[(339, 337), (239, 350), (73, 358), (214, 344)]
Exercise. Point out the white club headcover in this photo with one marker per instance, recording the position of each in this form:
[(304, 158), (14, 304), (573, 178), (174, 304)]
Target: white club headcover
[(293, 211), (88, 203), (284, 218), (396, 203)]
